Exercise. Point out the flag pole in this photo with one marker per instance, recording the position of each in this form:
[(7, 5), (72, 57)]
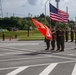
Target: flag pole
[(67, 9), (57, 6), (45, 10), (75, 32), (49, 14)]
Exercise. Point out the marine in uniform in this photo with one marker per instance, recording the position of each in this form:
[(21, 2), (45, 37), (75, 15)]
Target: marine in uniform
[(47, 43), (66, 34), (53, 40), (75, 37), (62, 39), (58, 38), (72, 35)]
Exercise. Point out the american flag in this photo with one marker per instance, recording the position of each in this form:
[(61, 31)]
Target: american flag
[(58, 15)]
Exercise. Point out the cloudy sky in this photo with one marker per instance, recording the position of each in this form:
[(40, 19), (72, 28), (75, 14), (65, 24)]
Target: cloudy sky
[(21, 8)]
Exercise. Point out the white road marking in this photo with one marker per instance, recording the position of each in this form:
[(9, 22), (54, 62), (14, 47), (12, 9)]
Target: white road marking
[(35, 65), (48, 69), (74, 70), (17, 70)]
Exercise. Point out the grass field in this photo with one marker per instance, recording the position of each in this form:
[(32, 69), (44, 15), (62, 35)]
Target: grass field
[(23, 35)]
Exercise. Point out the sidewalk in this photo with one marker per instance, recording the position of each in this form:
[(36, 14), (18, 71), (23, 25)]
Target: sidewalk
[(8, 40), (68, 45)]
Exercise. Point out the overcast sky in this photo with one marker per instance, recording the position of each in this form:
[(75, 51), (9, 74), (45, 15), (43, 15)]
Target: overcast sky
[(21, 8)]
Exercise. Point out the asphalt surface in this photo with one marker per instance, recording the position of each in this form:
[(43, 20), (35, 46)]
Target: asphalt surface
[(30, 58)]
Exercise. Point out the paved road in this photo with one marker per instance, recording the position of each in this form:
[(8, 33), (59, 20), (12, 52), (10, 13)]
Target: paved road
[(30, 58)]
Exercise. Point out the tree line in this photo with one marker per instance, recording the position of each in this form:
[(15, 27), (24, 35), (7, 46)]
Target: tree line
[(26, 22)]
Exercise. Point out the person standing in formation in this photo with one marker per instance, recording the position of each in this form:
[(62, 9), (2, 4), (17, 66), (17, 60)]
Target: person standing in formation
[(66, 34), (62, 39), (47, 41), (75, 37), (72, 35), (53, 39), (58, 38)]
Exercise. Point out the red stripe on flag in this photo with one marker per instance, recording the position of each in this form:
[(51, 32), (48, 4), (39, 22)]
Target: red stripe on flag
[(58, 15)]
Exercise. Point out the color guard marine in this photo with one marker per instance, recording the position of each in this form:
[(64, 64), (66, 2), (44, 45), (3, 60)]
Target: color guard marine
[(72, 35), (60, 38), (47, 41), (75, 37), (66, 34), (53, 39)]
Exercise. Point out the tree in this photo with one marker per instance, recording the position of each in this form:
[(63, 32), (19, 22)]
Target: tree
[(42, 15)]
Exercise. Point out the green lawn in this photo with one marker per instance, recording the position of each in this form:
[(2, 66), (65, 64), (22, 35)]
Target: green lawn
[(23, 35)]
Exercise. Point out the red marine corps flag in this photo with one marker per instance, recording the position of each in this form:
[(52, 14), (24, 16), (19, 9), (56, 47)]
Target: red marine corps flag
[(43, 29)]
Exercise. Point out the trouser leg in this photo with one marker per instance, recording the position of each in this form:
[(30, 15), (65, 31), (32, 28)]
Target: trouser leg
[(58, 44), (53, 44), (62, 44)]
